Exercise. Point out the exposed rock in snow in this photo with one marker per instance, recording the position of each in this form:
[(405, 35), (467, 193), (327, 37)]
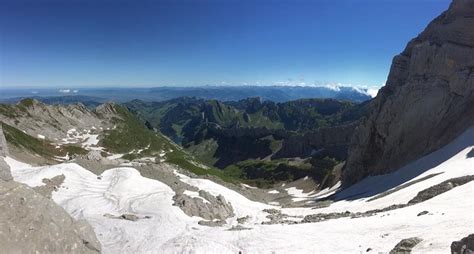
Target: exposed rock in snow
[(49, 186), (205, 206), (463, 246), (422, 213), (125, 216), (406, 245), (435, 190)]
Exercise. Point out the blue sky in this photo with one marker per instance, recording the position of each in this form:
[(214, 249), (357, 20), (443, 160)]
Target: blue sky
[(98, 43)]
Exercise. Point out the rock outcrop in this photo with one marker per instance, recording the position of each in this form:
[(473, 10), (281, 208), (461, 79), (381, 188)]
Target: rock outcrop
[(406, 245), (5, 173), (33, 223), (206, 206), (463, 246), (428, 99)]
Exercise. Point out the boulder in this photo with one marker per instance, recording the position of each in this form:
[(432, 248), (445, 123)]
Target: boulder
[(206, 206), (406, 245), (463, 246)]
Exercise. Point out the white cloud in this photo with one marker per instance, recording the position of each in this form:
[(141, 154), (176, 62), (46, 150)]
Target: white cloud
[(64, 90), (372, 92)]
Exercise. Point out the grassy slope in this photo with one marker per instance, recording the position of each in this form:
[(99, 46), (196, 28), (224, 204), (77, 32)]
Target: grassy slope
[(37, 146), (131, 133)]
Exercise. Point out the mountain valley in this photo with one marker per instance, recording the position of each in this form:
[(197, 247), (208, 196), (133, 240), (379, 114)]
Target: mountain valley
[(251, 170)]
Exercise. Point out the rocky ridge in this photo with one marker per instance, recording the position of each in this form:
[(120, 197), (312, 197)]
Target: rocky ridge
[(51, 122)]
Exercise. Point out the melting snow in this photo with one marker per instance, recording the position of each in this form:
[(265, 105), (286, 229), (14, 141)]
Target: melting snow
[(124, 190)]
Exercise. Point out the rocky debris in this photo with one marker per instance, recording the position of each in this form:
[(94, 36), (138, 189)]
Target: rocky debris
[(238, 228), (50, 185), (212, 223), (126, 216), (440, 188), (406, 245), (243, 220), (463, 246), (325, 216), (206, 206), (422, 213), (433, 77), (275, 216), (31, 223)]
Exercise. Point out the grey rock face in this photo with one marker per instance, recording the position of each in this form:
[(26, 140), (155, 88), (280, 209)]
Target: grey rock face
[(3, 143), (463, 246), (208, 207), (5, 173), (428, 99), (31, 223), (406, 245)]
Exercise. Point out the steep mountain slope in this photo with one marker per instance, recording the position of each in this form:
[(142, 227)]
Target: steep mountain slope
[(428, 99)]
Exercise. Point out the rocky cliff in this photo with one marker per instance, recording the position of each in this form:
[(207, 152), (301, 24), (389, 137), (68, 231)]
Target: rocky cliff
[(428, 99)]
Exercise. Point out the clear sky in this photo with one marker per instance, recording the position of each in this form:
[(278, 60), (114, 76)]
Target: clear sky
[(98, 43)]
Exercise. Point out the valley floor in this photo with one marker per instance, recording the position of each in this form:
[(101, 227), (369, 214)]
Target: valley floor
[(161, 227)]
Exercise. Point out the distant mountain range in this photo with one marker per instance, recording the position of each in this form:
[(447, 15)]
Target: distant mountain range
[(221, 93)]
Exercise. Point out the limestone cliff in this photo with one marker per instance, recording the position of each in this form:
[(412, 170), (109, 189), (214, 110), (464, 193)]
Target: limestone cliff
[(427, 101)]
